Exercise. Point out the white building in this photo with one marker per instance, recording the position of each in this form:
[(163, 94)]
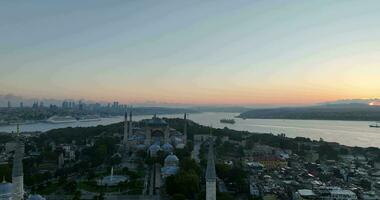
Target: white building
[(254, 190), (304, 194), (335, 193)]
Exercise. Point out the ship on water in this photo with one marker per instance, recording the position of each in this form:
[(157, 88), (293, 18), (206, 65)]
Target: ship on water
[(376, 125), (227, 121), (89, 118), (61, 119)]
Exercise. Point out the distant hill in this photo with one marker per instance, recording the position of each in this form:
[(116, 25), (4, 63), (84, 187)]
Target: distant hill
[(353, 111), (237, 109), (351, 101)]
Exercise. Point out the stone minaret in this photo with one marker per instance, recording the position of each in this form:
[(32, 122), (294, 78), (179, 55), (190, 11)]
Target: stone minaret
[(185, 129), (210, 173), (130, 126), (125, 139), (17, 171)]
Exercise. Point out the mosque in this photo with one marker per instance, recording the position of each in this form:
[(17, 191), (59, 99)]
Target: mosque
[(154, 135)]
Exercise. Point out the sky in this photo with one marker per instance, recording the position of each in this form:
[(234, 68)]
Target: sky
[(241, 52)]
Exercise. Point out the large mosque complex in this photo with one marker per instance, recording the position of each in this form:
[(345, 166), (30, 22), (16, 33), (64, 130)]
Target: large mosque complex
[(153, 133)]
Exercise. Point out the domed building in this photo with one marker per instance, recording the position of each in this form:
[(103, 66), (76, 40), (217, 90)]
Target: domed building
[(153, 150), (152, 131), (167, 148), (170, 166), (171, 160), (6, 190)]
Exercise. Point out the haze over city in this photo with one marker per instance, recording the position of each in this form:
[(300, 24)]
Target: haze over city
[(191, 52)]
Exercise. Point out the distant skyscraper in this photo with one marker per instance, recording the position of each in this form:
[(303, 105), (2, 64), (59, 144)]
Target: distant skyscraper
[(17, 171), (65, 104), (35, 105), (130, 123), (210, 173), (9, 104), (21, 104)]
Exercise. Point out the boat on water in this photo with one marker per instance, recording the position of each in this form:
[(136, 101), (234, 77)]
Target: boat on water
[(61, 119), (376, 125), (227, 121), (89, 118)]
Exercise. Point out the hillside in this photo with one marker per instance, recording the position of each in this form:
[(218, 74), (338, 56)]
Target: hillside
[(357, 112)]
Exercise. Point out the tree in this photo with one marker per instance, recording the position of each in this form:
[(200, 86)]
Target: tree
[(186, 183), (327, 151), (178, 197), (99, 197), (188, 164), (223, 196), (70, 187), (77, 195)]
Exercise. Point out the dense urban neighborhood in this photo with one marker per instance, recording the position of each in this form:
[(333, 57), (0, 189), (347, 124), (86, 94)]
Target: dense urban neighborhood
[(179, 159)]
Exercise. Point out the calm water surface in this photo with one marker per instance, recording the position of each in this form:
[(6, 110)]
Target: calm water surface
[(352, 133)]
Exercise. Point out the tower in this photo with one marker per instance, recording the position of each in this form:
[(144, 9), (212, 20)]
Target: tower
[(130, 122), (210, 172), (185, 130), (17, 171), (61, 160), (125, 139)]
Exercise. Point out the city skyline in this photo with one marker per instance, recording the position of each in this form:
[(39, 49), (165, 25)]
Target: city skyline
[(224, 53)]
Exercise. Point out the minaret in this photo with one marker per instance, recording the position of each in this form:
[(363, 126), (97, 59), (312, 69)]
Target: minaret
[(130, 123), (210, 172), (185, 130), (17, 171), (125, 139)]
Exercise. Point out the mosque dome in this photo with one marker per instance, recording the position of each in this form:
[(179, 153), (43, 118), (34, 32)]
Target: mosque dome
[(171, 160), (167, 147), (5, 190), (153, 149), (168, 171)]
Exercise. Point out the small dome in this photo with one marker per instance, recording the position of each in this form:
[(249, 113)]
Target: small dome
[(168, 171), (167, 147), (36, 197), (154, 149), (171, 160), (5, 189)]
